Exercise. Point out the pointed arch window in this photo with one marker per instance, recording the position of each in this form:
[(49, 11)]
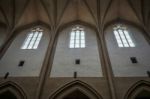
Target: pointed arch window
[(122, 36), (77, 38), (33, 39)]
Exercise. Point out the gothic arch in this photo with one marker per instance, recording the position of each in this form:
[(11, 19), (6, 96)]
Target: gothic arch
[(34, 24), (74, 86), (137, 88), (128, 23), (77, 22), (123, 21), (66, 30), (13, 89), (71, 24), (16, 32)]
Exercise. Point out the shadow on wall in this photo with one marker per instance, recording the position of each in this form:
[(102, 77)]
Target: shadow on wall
[(140, 90), (10, 90)]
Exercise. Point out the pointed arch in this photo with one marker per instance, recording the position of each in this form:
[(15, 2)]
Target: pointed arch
[(73, 23), (137, 88), (16, 32), (20, 35), (62, 39), (76, 22), (128, 23), (12, 89), (74, 86), (123, 21), (27, 26)]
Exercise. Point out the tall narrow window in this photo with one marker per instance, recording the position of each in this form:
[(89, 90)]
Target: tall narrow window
[(122, 36), (33, 39), (77, 38)]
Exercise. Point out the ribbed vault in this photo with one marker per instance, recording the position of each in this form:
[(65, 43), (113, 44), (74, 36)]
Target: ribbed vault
[(56, 13)]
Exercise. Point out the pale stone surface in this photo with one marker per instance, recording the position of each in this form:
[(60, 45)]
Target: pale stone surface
[(120, 57), (64, 59), (33, 58)]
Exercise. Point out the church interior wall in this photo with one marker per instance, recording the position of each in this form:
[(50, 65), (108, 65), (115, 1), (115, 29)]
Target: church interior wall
[(120, 57), (33, 59)]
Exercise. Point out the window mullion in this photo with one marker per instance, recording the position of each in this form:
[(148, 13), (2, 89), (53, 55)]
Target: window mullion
[(79, 38), (122, 34), (75, 39), (30, 39), (36, 39), (120, 38), (25, 42), (126, 38)]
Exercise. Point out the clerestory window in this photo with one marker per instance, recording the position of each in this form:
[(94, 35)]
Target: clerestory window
[(33, 39), (122, 36), (77, 38)]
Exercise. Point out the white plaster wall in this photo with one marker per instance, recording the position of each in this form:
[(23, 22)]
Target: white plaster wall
[(64, 59), (120, 57), (33, 58)]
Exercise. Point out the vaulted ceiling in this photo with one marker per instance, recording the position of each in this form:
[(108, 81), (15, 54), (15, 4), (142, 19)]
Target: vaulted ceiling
[(56, 13)]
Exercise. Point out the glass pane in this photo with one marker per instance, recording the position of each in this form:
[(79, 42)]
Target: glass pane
[(82, 37), (77, 45), (82, 45), (40, 35), (37, 40), (126, 45), (29, 47), (123, 38), (82, 33), (71, 41), (82, 41), (33, 39), (77, 41), (118, 38), (36, 44), (35, 34), (132, 45), (77, 35), (77, 38), (129, 39), (120, 45), (72, 37), (31, 43), (73, 33), (26, 43), (30, 35), (71, 45)]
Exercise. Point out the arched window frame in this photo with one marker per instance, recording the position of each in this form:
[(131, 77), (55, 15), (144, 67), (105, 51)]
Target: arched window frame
[(77, 38), (33, 39), (123, 37)]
